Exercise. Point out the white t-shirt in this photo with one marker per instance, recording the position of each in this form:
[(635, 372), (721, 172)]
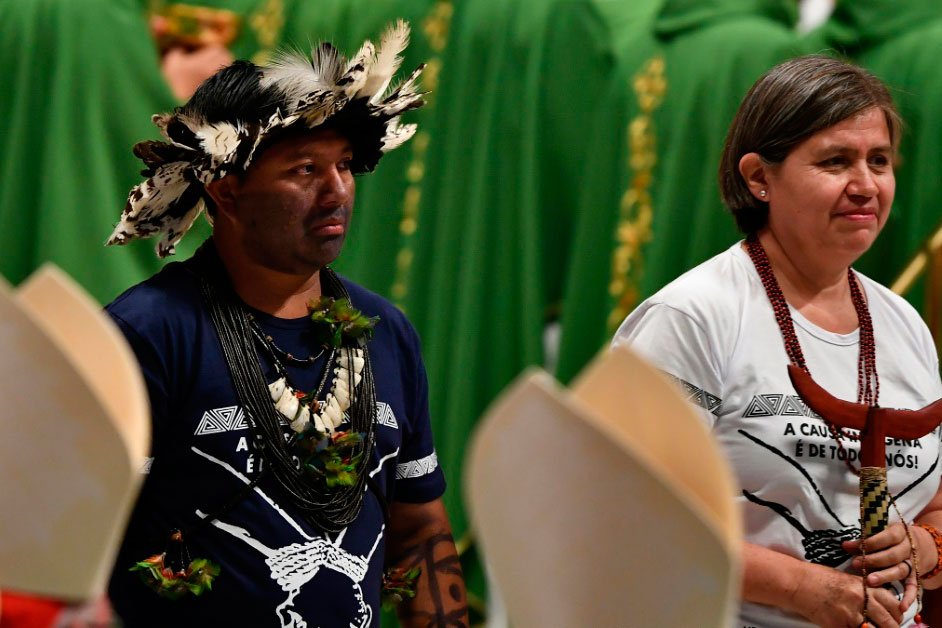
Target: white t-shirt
[(714, 330)]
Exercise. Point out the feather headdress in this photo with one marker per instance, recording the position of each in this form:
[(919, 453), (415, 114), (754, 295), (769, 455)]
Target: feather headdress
[(221, 127)]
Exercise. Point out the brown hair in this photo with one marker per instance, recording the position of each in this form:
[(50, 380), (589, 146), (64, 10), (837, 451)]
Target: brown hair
[(792, 102)]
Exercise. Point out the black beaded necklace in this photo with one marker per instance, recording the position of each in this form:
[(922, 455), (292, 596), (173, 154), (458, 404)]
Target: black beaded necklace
[(868, 382), (328, 508), (267, 344), (276, 352)]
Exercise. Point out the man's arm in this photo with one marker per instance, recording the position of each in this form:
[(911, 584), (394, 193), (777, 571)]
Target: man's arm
[(420, 536)]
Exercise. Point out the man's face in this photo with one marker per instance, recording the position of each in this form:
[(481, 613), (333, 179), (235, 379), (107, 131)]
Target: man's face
[(293, 205)]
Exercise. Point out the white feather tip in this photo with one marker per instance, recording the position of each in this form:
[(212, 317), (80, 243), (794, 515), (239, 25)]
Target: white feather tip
[(394, 41)]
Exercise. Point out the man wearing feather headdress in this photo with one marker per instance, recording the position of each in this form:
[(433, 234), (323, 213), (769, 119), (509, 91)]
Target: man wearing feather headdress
[(294, 481)]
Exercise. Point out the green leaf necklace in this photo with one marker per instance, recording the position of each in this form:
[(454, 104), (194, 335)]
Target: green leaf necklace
[(326, 451)]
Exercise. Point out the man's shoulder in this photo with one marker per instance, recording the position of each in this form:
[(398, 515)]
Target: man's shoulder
[(372, 304), (172, 292)]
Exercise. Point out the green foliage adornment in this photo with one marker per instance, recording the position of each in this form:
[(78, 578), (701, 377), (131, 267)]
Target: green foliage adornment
[(339, 324), (399, 584), (333, 459), (194, 580)]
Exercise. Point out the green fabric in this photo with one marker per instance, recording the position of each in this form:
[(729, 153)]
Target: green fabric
[(436, 282), (438, 288), (307, 23), (81, 82), (901, 43), (679, 16), (859, 25), (678, 141), (574, 63)]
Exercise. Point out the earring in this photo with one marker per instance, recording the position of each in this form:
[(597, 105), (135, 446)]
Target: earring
[(762, 193)]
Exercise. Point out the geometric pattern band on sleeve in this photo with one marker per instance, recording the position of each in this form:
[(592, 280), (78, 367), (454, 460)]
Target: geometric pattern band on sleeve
[(698, 396), (417, 468)]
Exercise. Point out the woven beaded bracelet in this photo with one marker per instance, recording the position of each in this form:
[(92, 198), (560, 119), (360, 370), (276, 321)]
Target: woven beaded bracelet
[(937, 538)]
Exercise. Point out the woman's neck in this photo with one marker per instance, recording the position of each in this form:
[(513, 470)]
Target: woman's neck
[(818, 289)]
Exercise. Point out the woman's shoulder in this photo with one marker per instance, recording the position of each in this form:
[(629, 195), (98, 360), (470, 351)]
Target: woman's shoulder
[(897, 324), (708, 300), (884, 303), (693, 326), (713, 287)]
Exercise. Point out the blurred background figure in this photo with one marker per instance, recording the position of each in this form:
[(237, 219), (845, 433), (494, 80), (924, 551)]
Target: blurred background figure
[(70, 464), (192, 41), (81, 79), (76, 73)]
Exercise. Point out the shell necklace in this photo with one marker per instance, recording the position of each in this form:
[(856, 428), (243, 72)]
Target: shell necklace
[(304, 411)]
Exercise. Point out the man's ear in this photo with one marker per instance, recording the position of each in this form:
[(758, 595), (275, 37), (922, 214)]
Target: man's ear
[(224, 193), (754, 172)]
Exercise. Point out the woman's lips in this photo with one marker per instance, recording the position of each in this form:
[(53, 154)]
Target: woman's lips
[(859, 215)]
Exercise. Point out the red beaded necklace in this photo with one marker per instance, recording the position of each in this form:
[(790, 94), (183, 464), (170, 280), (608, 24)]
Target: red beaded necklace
[(868, 382)]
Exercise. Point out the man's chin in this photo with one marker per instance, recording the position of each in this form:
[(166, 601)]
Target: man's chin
[(329, 251), (301, 264)]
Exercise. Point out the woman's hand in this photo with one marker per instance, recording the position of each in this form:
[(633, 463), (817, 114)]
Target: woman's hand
[(823, 595), (831, 598), (889, 558)]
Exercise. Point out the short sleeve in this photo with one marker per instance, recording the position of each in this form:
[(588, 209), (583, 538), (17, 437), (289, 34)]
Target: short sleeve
[(419, 478), (676, 343), (155, 377)]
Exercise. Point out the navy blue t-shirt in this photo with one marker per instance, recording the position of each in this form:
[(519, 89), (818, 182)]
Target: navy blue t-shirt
[(277, 570)]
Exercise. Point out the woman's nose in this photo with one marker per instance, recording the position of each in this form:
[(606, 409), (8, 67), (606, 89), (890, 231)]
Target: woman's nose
[(863, 183)]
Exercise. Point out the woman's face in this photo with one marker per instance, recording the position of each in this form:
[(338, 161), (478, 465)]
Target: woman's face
[(832, 193)]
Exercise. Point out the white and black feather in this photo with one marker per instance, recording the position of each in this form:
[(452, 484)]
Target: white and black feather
[(219, 130), (393, 42)]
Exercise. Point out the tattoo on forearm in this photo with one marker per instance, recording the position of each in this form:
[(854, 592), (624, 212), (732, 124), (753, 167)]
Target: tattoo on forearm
[(449, 606)]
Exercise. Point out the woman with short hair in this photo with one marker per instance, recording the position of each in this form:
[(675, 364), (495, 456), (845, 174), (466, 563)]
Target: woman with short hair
[(807, 171)]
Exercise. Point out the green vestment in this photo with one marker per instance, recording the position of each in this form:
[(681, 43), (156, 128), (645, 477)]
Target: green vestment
[(650, 206), (82, 81)]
